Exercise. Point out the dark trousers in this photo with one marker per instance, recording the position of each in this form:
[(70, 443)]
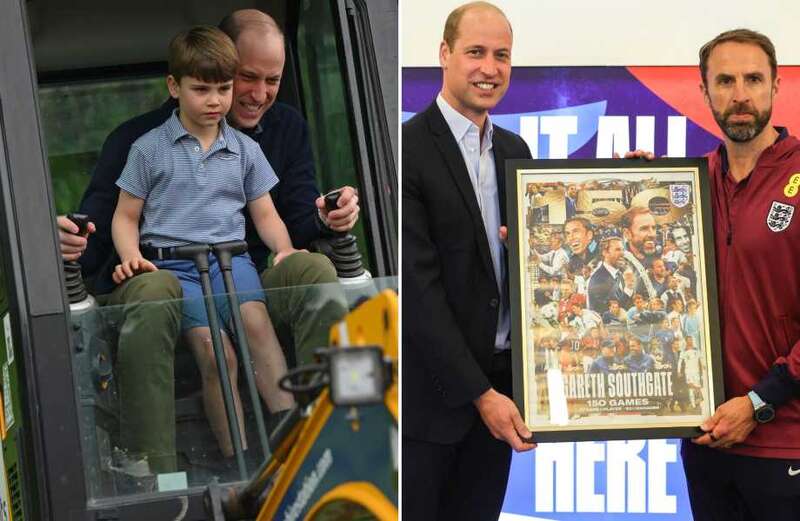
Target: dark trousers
[(463, 480), (730, 487)]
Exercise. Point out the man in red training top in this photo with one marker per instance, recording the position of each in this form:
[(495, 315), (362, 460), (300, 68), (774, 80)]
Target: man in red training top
[(747, 464)]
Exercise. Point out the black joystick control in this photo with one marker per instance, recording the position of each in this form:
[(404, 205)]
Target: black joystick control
[(76, 290), (340, 247)]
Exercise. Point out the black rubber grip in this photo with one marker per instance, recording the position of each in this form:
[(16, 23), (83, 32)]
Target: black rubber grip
[(82, 220), (331, 200)]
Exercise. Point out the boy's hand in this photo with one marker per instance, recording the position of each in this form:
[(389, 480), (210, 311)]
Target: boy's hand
[(345, 216), (130, 268), (72, 244), (279, 256)]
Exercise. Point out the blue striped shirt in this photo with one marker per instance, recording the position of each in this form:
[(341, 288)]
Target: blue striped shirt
[(193, 195)]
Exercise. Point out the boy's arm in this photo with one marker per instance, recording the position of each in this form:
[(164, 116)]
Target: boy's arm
[(270, 227), (125, 233)]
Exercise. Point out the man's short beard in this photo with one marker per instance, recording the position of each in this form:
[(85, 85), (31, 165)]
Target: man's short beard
[(641, 250), (742, 132)]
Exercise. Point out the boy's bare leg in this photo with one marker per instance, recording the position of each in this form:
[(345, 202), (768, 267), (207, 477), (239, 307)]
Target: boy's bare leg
[(199, 340), (269, 364)]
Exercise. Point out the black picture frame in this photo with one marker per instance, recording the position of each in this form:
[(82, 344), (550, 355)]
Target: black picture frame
[(648, 403)]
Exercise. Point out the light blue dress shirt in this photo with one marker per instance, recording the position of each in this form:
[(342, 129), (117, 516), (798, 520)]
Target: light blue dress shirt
[(479, 158)]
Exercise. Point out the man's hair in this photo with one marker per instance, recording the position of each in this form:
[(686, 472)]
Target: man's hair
[(629, 216), (454, 20), (245, 19), (582, 220), (739, 36), (605, 243), (203, 52), (676, 228)]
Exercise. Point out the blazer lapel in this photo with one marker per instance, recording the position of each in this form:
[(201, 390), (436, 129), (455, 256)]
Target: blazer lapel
[(446, 143), (500, 156)]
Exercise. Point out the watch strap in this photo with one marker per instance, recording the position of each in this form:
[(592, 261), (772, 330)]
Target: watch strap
[(756, 400)]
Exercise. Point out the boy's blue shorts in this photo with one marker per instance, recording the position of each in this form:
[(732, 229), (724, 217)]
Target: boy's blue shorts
[(245, 277)]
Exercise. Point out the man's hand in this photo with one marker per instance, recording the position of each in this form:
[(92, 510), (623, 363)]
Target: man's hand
[(343, 218), (503, 234), (502, 419), (636, 154), (130, 268), (72, 244), (279, 256), (731, 424)]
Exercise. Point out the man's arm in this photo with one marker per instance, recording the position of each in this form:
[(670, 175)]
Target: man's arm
[(99, 201), (782, 382), (439, 342), (434, 334), (270, 227), (297, 198), (597, 294), (733, 420), (552, 263)]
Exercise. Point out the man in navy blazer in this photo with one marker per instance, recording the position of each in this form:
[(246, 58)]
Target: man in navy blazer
[(606, 281), (458, 420)]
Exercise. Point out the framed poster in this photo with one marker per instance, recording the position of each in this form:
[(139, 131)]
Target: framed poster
[(613, 298)]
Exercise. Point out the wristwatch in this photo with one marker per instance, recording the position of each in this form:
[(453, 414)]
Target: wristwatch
[(762, 411)]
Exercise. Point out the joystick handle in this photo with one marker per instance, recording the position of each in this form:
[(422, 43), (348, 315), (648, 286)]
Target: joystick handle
[(82, 220), (332, 199)]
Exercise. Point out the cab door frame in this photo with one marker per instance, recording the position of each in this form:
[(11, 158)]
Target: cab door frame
[(56, 490)]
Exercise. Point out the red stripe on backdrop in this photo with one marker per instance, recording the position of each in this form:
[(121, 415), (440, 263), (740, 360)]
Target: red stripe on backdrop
[(678, 87)]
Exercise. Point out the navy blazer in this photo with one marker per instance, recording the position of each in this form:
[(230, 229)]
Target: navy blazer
[(602, 286), (450, 297)]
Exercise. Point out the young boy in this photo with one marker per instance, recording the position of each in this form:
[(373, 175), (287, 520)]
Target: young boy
[(188, 181)]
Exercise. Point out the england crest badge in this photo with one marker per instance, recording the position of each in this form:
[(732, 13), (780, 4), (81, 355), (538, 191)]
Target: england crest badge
[(779, 216), (679, 195)]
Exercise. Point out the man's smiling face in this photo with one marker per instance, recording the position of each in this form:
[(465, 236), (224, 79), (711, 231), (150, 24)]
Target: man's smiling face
[(477, 67), (258, 78)]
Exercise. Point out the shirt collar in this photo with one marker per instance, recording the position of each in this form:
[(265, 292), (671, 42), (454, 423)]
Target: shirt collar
[(176, 130), (459, 124), (254, 132), (174, 127), (611, 269), (226, 133)]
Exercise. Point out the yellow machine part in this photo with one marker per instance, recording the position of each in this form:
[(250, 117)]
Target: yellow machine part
[(372, 323), (366, 499), (308, 435), (375, 322)]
